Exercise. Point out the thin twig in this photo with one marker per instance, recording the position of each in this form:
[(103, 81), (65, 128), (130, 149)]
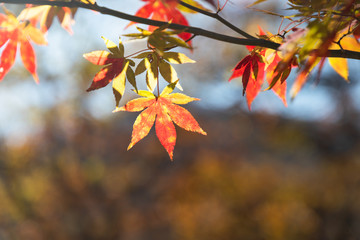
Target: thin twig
[(217, 17)]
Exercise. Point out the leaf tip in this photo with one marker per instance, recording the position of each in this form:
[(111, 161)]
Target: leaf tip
[(202, 132), (130, 146), (249, 106), (117, 109), (36, 78), (170, 153)]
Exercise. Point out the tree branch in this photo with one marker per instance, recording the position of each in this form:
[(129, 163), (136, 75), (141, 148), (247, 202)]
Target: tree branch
[(133, 18), (218, 17), (189, 29)]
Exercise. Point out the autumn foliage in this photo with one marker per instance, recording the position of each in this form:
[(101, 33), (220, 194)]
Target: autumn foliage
[(315, 32), (163, 110)]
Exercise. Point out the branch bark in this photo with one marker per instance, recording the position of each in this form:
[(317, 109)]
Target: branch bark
[(251, 41)]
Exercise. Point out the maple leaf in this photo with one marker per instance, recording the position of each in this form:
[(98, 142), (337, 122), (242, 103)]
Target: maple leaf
[(251, 68), (163, 111), (356, 32), (194, 4), (278, 71), (160, 38), (153, 63), (340, 65), (163, 10), (13, 33), (116, 69), (319, 37), (45, 16)]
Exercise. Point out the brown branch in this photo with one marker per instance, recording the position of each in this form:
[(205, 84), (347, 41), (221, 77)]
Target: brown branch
[(189, 29), (217, 17), (118, 14)]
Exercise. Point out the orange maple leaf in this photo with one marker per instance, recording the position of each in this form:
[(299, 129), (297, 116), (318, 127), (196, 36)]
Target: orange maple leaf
[(163, 111), (46, 14), (277, 73), (13, 33), (163, 10)]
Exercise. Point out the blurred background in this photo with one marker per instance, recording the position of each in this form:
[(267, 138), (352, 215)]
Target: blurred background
[(273, 173)]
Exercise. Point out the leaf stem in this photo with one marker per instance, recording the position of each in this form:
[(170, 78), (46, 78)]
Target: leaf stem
[(140, 51)]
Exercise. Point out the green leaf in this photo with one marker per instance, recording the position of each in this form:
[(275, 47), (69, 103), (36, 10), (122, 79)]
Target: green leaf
[(119, 84), (131, 62), (140, 68), (157, 41), (121, 48), (145, 93), (143, 31), (151, 74), (130, 75), (112, 47), (135, 35), (177, 42), (192, 3), (168, 72), (177, 58), (169, 89), (161, 28)]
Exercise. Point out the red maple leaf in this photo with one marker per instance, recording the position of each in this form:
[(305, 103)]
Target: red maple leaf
[(356, 32), (13, 33), (114, 65), (162, 111), (163, 10), (251, 68), (116, 69)]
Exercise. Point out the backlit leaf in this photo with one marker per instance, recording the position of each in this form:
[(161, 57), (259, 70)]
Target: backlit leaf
[(177, 58), (165, 129), (163, 111), (46, 14), (119, 84), (192, 3), (142, 125), (116, 68), (14, 33), (28, 58), (340, 65), (163, 10), (167, 72)]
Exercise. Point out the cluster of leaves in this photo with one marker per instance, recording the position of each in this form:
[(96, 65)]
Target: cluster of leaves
[(14, 32), (316, 28), (329, 25), (117, 68), (261, 63)]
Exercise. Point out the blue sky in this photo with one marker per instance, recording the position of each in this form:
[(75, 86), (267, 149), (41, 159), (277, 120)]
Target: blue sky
[(24, 102)]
